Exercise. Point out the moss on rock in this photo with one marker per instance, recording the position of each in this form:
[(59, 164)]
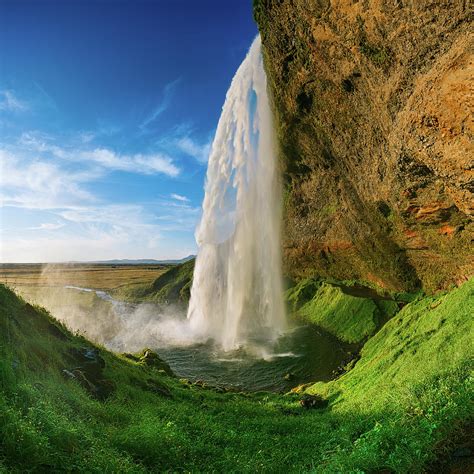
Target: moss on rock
[(347, 317)]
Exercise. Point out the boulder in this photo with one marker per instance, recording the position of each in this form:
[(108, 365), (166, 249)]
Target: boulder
[(152, 359), (88, 372), (313, 401)]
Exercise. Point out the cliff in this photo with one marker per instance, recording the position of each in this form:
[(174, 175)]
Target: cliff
[(373, 105)]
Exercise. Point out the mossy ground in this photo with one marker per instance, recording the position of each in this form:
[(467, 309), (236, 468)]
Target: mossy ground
[(348, 310), (348, 317), (410, 390)]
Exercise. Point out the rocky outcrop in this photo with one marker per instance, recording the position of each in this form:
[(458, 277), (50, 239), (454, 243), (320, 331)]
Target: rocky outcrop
[(374, 111), (150, 358), (88, 372)]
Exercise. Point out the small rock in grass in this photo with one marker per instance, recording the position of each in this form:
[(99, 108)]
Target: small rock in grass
[(313, 401), (68, 374)]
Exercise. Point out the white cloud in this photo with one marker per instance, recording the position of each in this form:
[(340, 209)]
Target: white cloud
[(137, 163), (50, 199), (98, 233), (48, 226), (143, 164), (40, 184), (178, 197), (163, 105), (87, 137), (9, 102), (177, 215), (198, 151)]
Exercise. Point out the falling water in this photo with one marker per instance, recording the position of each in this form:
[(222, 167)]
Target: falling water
[(236, 297)]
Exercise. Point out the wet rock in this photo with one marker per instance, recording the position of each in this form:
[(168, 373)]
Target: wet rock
[(89, 360), (313, 401), (100, 389), (347, 364), (81, 377), (152, 359)]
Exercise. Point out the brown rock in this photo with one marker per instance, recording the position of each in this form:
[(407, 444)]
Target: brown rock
[(374, 113)]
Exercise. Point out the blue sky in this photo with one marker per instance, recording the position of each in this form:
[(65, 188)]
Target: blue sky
[(107, 113)]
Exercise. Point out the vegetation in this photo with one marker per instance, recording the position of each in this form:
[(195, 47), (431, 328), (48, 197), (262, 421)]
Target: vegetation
[(173, 286), (348, 311), (410, 390), (348, 317)]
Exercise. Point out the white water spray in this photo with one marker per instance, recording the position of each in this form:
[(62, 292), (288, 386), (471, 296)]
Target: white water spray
[(237, 297)]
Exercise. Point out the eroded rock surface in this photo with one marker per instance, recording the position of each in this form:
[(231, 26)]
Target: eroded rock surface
[(374, 106)]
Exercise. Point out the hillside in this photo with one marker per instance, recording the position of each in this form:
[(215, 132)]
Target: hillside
[(373, 106), (69, 405), (172, 287)]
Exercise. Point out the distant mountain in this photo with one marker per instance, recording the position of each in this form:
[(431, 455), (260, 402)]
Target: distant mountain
[(143, 261)]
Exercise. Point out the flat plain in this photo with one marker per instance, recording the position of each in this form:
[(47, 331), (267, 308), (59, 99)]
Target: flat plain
[(96, 276)]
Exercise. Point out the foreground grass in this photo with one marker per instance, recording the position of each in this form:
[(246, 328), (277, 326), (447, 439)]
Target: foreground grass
[(410, 390)]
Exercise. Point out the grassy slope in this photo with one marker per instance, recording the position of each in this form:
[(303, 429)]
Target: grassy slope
[(173, 286), (350, 318), (408, 392)]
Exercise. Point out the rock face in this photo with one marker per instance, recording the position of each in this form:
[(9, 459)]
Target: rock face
[(374, 110)]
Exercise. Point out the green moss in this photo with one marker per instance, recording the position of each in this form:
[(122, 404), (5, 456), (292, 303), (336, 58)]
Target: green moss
[(425, 335), (347, 317), (301, 293), (388, 308)]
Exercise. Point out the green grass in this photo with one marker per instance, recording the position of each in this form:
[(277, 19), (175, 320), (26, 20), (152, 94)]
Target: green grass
[(173, 286), (349, 311), (409, 391), (349, 318)]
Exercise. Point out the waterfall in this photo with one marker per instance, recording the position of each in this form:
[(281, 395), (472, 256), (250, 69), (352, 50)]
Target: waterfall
[(236, 296)]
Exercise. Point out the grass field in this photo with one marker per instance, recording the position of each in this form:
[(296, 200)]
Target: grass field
[(97, 276)]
